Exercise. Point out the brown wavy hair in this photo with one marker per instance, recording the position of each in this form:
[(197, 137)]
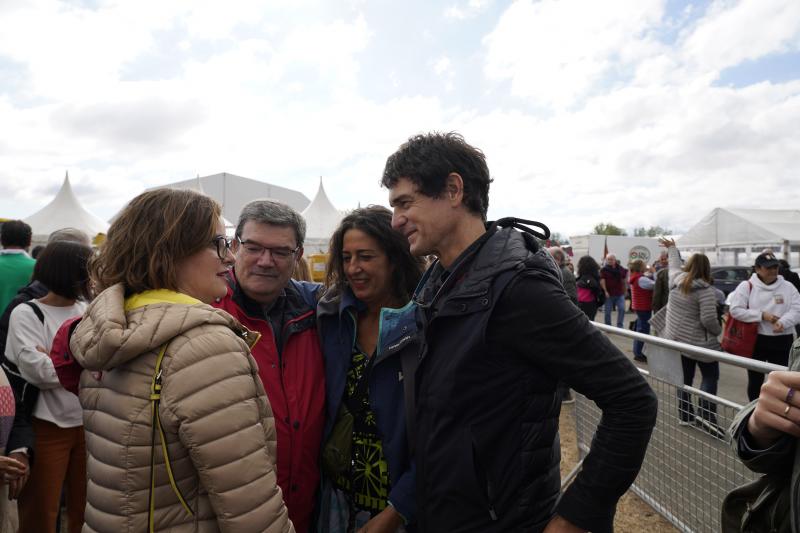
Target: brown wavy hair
[(697, 267), (151, 236)]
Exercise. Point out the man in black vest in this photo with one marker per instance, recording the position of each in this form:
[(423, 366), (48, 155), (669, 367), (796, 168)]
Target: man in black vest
[(498, 333)]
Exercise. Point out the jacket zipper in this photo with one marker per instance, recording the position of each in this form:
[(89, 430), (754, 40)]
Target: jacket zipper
[(794, 519), (284, 336), (280, 375), (481, 472), (490, 496)]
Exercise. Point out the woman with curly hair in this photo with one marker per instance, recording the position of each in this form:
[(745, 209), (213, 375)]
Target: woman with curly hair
[(367, 326)]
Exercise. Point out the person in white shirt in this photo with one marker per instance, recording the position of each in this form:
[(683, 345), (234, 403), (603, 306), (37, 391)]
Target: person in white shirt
[(774, 303), (57, 416)]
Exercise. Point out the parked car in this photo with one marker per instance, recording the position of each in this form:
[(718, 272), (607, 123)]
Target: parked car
[(727, 278)]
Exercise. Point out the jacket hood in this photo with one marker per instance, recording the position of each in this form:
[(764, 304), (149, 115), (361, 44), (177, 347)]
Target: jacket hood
[(395, 326), (756, 281), (696, 284), (502, 248), (115, 330), (507, 249), (336, 300)]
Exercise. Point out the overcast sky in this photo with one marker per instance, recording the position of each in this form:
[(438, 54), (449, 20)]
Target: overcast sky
[(637, 112)]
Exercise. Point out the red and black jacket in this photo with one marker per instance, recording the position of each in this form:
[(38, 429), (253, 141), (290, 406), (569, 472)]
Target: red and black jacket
[(294, 378)]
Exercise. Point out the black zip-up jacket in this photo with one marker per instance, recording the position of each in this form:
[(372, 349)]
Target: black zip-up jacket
[(498, 336)]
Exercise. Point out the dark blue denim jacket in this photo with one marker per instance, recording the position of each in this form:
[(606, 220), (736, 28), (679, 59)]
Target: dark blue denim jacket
[(397, 333)]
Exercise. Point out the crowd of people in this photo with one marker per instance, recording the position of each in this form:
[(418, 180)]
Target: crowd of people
[(693, 311), (178, 379)]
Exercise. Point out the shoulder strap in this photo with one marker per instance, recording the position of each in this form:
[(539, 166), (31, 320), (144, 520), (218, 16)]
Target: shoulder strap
[(36, 310), (523, 225), (155, 402), (8, 365), (749, 293)]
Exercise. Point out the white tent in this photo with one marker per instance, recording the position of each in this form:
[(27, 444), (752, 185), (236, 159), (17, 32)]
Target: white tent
[(322, 219), (233, 192), (65, 211), (727, 233), (230, 227)]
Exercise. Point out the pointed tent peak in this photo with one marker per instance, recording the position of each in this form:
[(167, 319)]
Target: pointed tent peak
[(322, 217), (65, 210), (321, 199), (66, 191)]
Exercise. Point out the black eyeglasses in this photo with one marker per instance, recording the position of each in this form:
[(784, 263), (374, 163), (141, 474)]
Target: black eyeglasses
[(279, 254), (223, 245)]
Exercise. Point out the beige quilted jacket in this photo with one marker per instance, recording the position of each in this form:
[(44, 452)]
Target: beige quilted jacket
[(216, 417)]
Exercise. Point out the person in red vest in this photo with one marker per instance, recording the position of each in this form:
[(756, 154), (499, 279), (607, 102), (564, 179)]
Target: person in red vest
[(263, 297), (642, 284)]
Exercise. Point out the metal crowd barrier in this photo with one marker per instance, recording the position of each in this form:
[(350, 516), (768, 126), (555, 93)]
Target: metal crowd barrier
[(690, 466)]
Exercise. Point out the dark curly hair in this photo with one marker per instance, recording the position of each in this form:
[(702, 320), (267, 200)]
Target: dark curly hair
[(429, 158), (587, 266), (376, 221)]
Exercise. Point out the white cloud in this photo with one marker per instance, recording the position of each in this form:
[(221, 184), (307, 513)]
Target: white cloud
[(748, 30), (73, 52), (443, 66), (554, 52), (662, 149), (468, 10), (589, 117), (444, 69), (331, 48)]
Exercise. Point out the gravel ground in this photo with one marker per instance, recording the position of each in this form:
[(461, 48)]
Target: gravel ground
[(633, 515)]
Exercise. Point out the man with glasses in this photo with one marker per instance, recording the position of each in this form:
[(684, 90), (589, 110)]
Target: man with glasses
[(263, 297)]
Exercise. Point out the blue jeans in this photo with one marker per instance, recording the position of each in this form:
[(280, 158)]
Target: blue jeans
[(619, 301), (710, 377), (642, 326)]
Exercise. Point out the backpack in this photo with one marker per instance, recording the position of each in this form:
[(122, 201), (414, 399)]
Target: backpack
[(24, 392)]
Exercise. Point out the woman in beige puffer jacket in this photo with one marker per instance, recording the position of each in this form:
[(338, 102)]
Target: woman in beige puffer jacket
[(217, 422)]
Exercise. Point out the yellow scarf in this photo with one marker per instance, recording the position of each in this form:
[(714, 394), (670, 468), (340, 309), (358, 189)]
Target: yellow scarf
[(158, 296)]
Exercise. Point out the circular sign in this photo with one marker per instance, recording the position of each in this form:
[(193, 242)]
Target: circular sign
[(640, 252)]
